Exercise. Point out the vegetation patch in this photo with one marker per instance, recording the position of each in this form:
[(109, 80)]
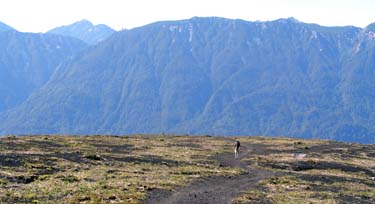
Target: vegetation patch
[(328, 172), (111, 169), (103, 169)]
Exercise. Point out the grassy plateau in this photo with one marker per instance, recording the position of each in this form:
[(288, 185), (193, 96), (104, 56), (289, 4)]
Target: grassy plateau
[(126, 169)]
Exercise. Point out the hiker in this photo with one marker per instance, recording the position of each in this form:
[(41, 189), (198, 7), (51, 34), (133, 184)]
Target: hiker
[(237, 145)]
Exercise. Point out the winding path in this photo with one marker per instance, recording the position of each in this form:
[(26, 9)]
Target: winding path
[(214, 190)]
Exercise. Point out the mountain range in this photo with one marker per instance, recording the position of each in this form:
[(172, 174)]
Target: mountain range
[(207, 76), (27, 61)]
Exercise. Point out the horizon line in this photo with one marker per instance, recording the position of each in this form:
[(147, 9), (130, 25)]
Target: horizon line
[(185, 19)]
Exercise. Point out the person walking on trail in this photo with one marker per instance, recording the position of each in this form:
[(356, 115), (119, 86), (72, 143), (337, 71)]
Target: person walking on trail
[(237, 145)]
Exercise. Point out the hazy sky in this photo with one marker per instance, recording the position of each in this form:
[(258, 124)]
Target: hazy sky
[(42, 15)]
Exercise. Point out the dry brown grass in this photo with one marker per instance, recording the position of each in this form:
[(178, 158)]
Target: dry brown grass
[(103, 169), (108, 169), (330, 172)]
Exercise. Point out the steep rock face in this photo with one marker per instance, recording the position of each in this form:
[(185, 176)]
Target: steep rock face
[(85, 31), (213, 76), (28, 60)]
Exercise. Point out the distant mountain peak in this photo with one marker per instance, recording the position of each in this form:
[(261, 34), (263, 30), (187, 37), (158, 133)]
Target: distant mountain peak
[(293, 19), (288, 20), (83, 22), (85, 31)]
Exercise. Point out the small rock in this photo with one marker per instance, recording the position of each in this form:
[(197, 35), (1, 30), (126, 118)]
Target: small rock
[(112, 197), (84, 198), (93, 157), (299, 155)]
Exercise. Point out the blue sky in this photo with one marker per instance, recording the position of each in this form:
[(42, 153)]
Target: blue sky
[(42, 15)]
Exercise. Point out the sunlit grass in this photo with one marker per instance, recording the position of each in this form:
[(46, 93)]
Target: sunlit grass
[(328, 172), (109, 169), (101, 169)]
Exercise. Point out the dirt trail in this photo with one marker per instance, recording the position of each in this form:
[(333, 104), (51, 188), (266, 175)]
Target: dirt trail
[(214, 190)]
